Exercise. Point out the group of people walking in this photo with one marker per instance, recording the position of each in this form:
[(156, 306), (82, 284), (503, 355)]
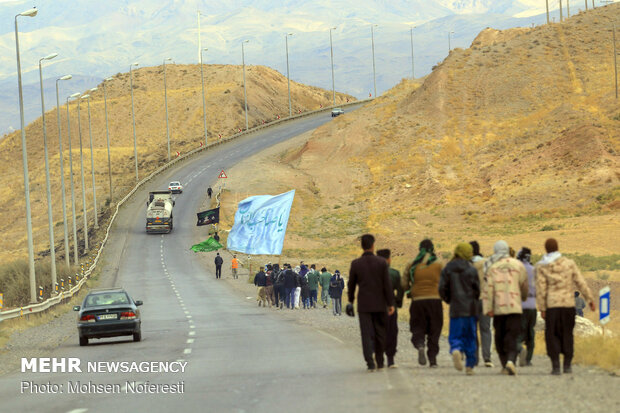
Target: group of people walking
[(504, 287), (298, 287)]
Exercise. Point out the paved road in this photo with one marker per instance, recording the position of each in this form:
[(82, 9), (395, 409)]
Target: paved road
[(245, 359)]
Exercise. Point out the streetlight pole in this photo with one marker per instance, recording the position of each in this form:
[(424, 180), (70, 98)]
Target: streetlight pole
[(204, 102), (82, 176), (567, 9), (331, 48), (374, 72), (33, 281), (50, 219), (62, 175), (92, 161), (245, 96), (107, 134), (288, 77), (74, 218), (615, 61), (450, 42), (412, 67), (560, 11), (166, 104), (547, 4), (133, 118)]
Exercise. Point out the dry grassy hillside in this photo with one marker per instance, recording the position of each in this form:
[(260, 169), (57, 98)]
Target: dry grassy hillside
[(267, 98), (516, 137)]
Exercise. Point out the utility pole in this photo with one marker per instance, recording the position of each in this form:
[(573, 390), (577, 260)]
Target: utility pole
[(412, 67), (567, 9), (107, 134), (62, 175), (92, 162), (547, 3), (204, 103), (245, 96), (82, 176), (133, 118), (615, 61), (288, 77), (166, 105), (560, 11), (331, 47), (73, 215), (374, 72)]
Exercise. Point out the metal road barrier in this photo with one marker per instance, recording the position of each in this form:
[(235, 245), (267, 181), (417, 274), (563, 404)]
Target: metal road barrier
[(57, 299)]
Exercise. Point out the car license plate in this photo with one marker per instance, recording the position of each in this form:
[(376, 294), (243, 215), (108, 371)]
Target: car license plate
[(107, 317)]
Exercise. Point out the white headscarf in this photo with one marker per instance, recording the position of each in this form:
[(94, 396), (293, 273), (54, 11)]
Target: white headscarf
[(500, 250)]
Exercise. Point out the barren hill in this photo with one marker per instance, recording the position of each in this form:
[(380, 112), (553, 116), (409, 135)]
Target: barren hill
[(267, 99), (516, 137)]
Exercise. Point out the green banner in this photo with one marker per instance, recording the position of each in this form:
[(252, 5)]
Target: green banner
[(206, 246)]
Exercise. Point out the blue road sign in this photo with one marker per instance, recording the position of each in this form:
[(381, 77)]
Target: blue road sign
[(603, 305)]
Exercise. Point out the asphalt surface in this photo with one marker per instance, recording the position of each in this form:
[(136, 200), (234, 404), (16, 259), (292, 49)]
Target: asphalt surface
[(241, 358)]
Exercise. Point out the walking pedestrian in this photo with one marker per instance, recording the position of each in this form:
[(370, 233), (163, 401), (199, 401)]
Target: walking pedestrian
[(528, 318), (297, 292), (324, 280), (421, 280), (209, 192), (305, 290), (505, 288), (375, 301), (218, 266), (484, 321), (336, 286), (580, 304), (556, 279), (290, 284), (269, 286), (279, 291), (234, 265), (313, 285), (391, 332), (459, 287), (260, 282)]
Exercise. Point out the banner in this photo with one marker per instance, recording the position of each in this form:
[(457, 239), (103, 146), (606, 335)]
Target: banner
[(260, 224), (210, 216), (206, 246)]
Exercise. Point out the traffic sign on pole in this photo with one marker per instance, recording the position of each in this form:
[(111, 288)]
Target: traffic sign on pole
[(603, 304)]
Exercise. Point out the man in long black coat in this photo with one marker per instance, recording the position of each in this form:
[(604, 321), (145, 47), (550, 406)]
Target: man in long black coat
[(375, 300)]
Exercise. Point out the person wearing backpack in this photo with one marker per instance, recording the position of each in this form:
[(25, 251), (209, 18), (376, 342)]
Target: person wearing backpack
[(336, 286)]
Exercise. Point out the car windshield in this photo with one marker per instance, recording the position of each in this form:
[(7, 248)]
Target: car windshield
[(111, 298), (174, 184)]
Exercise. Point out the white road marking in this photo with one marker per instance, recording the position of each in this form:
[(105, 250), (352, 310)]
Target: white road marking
[(187, 351), (77, 411), (192, 333), (188, 316), (329, 335), (192, 326), (187, 312), (190, 340)]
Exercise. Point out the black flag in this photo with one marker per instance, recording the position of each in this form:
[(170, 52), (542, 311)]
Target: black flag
[(210, 216)]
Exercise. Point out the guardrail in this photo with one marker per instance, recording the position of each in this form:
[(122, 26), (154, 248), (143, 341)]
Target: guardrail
[(52, 301)]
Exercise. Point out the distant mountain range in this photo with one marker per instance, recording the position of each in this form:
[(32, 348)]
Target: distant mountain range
[(98, 39)]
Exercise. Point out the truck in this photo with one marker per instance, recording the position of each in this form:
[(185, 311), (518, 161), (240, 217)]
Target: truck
[(159, 212)]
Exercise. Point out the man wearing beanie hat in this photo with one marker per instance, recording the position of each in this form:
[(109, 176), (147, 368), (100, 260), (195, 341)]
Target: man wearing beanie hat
[(460, 288), (557, 277), (505, 288)]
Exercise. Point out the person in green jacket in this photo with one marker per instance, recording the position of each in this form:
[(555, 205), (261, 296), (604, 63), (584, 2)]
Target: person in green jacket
[(324, 280), (313, 284), (391, 333)]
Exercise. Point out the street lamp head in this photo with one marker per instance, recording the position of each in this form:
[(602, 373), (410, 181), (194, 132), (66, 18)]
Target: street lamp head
[(135, 64), (29, 13), (85, 96), (66, 77), (290, 34), (107, 79), (246, 41), (168, 58), (205, 49), (49, 57), (93, 89), (73, 96)]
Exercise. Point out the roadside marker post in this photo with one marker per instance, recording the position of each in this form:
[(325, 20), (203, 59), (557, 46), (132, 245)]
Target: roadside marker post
[(1, 301), (56, 288), (40, 295), (62, 284), (604, 297)]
